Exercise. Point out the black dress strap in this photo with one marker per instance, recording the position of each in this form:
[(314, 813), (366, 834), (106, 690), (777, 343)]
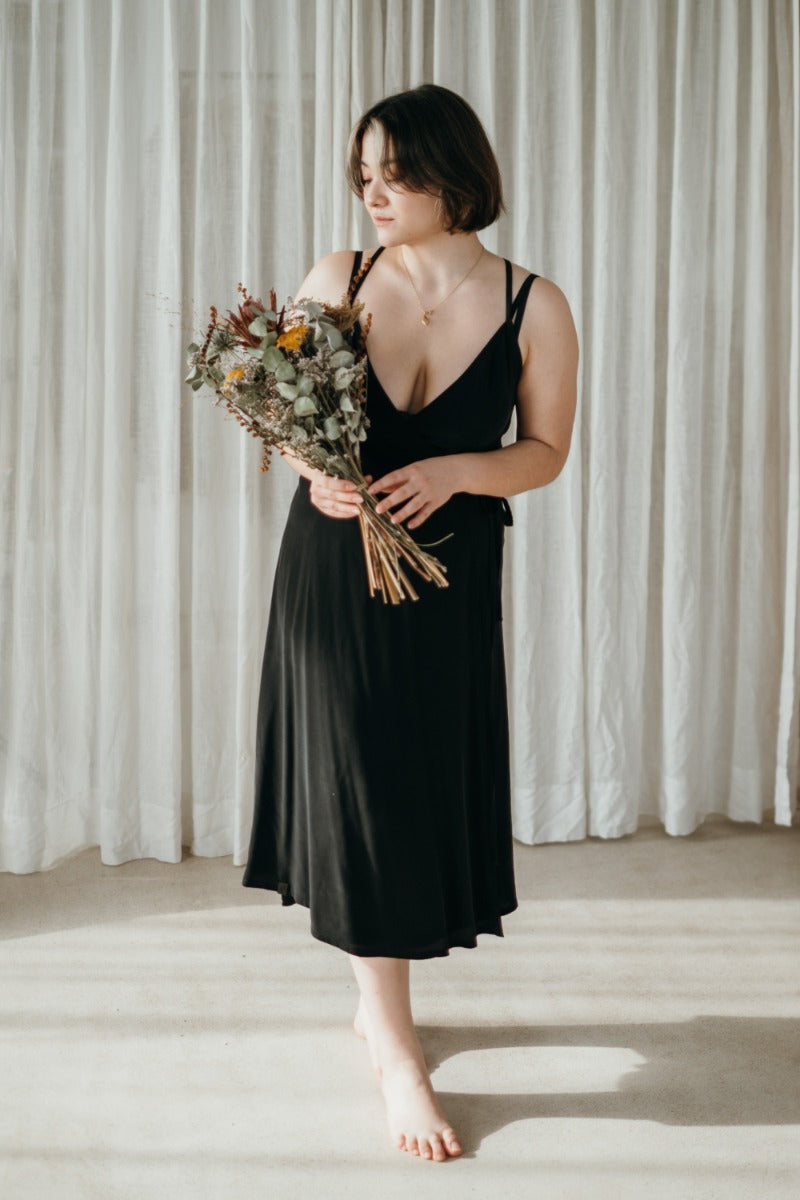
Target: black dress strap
[(514, 311), (356, 265), (358, 273), (520, 300)]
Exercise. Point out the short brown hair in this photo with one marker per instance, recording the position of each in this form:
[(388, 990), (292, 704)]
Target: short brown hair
[(434, 143)]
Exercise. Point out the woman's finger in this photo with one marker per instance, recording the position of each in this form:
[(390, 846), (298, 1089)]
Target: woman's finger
[(396, 497), (408, 510), (333, 503), (421, 516), (386, 483), (342, 486)]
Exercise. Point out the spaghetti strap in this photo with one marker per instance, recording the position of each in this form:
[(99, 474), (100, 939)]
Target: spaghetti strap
[(508, 289), (359, 273), (520, 300), (355, 268)]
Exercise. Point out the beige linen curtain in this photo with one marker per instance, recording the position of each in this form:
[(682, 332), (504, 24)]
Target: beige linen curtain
[(153, 155)]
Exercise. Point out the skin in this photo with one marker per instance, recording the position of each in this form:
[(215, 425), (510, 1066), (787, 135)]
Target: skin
[(415, 363)]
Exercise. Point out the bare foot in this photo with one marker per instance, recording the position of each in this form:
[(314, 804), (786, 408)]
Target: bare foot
[(416, 1122)]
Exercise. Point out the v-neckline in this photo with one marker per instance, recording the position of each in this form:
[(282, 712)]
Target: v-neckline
[(405, 412)]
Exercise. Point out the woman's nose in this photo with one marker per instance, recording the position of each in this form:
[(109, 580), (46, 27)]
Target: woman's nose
[(374, 194)]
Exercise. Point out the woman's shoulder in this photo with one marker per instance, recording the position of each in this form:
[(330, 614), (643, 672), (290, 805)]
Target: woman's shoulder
[(548, 326), (546, 304), (519, 274), (329, 277)]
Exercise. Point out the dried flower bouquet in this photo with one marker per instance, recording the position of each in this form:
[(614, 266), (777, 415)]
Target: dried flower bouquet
[(297, 380)]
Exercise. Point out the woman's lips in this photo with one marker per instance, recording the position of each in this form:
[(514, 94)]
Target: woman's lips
[(381, 220)]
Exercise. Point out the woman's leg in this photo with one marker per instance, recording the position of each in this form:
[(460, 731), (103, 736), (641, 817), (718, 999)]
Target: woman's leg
[(416, 1121)]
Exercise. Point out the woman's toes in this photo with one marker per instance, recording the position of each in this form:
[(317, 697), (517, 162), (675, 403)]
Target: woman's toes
[(451, 1141), (425, 1149), (437, 1146)]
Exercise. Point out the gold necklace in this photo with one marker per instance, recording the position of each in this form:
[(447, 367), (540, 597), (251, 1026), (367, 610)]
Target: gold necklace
[(427, 313)]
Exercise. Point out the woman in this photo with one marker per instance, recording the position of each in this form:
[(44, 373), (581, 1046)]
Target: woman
[(382, 790)]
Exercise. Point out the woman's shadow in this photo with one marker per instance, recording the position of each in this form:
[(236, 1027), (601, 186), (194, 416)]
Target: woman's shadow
[(706, 1071)]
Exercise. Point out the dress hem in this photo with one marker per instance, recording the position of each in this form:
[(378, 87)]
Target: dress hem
[(466, 939)]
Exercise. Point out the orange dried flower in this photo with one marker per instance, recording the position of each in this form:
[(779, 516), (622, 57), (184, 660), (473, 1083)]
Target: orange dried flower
[(292, 338), (235, 375)]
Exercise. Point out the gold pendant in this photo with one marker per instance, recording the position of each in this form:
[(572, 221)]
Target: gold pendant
[(426, 316)]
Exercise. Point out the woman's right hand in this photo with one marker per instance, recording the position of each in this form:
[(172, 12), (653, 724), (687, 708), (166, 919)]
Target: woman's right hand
[(335, 497)]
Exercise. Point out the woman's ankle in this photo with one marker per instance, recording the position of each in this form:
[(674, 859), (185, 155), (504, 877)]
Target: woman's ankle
[(395, 1048)]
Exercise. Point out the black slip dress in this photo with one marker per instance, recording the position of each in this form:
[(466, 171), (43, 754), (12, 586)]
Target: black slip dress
[(382, 797)]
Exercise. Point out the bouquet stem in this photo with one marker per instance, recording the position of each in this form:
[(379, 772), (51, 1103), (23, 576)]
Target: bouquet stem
[(385, 544)]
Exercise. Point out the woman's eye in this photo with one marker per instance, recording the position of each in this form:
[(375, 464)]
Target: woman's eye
[(364, 182)]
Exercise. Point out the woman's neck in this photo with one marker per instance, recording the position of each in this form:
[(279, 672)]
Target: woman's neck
[(439, 260)]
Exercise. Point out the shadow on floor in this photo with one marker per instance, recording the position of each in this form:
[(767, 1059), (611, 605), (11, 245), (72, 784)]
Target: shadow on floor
[(707, 1071)]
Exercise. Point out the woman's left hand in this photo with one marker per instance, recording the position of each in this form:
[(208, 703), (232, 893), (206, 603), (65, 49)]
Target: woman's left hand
[(420, 488)]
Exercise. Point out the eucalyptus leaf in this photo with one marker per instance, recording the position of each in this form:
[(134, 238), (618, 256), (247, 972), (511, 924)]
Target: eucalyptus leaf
[(343, 378), (306, 386), (190, 353), (285, 373), (333, 429), (342, 358), (335, 339), (346, 404), (273, 358), (304, 406), (288, 391), (258, 327)]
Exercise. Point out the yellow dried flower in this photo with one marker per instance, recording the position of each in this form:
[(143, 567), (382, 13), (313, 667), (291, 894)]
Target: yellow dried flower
[(235, 375), (292, 338)]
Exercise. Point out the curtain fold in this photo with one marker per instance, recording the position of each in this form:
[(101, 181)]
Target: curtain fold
[(153, 156)]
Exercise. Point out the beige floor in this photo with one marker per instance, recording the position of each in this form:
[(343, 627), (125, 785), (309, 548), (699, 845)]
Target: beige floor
[(168, 1033)]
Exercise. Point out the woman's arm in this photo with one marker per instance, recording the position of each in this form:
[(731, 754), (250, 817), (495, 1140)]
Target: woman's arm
[(546, 402), (301, 467), (327, 281)]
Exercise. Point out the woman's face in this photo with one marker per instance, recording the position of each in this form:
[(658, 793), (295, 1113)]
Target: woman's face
[(400, 217)]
